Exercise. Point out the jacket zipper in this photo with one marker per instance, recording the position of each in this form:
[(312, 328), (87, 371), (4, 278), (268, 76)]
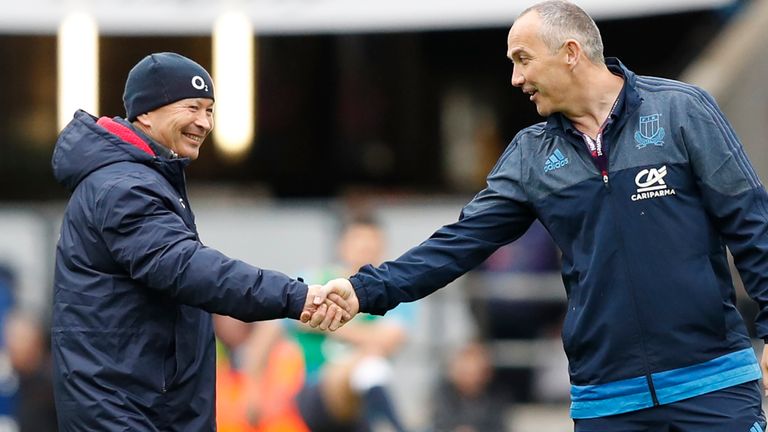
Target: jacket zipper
[(620, 240), (597, 152)]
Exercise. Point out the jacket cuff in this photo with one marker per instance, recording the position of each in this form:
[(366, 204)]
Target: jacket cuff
[(360, 292), (297, 300)]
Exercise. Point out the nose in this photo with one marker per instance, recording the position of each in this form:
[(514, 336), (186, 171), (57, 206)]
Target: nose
[(204, 120), (517, 77)]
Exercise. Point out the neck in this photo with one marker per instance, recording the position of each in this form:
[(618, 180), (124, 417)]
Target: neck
[(138, 125), (159, 148), (596, 93)]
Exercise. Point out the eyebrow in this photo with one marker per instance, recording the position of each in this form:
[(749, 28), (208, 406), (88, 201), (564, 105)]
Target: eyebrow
[(514, 51)]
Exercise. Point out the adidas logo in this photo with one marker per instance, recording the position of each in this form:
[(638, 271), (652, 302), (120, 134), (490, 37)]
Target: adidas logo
[(756, 428), (555, 160)]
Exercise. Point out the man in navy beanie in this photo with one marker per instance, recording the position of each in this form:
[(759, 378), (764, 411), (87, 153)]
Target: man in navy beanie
[(170, 98), (134, 287)]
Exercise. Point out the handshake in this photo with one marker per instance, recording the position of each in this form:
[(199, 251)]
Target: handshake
[(330, 306)]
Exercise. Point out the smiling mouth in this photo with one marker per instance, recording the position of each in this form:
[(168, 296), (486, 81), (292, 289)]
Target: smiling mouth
[(531, 93), (196, 138)]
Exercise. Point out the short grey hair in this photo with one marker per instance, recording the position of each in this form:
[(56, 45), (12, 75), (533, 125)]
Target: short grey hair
[(562, 20)]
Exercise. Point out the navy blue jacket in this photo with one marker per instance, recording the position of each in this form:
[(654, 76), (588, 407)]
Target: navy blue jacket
[(132, 338), (651, 317)]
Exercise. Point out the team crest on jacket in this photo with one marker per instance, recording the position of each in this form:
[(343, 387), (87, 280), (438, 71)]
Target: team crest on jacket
[(650, 184), (649, 131)]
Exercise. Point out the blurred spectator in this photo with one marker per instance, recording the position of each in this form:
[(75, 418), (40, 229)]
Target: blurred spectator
[(9, 380), (291, 378), (347, 372), (258, 375), (29, 356), (464, 401), (516, 294), (7, 290), (526, 313)]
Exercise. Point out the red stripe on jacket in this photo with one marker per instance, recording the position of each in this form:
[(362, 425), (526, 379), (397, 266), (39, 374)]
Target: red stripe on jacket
[(124, 133)]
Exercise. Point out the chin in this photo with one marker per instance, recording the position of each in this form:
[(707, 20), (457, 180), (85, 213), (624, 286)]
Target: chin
[(190, 152)]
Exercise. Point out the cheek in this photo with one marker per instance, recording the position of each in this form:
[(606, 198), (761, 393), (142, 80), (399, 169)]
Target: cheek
[(558, 81)]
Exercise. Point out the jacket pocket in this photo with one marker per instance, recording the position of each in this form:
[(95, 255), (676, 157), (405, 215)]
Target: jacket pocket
[(568, 331), (170, 365)]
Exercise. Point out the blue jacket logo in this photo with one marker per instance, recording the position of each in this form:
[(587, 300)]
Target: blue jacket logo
[(650, 184), (555, 160), (649, 131)]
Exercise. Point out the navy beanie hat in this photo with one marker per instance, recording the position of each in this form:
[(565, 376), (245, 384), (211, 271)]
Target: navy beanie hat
[(163, 78)]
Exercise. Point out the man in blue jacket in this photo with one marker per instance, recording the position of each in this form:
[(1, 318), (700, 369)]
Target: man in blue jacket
[(132, 339), (643, 184)]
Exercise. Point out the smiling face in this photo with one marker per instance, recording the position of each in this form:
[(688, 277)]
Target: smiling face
[(537, 70), (180, 126)]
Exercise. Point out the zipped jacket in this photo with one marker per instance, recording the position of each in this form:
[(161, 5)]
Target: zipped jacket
[(651, 316), (132, 338)]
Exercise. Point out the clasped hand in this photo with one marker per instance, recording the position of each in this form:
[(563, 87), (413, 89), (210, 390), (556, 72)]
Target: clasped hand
[(330, 306)]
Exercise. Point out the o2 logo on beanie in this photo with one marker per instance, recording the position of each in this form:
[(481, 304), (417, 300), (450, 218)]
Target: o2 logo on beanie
[(199, 83)]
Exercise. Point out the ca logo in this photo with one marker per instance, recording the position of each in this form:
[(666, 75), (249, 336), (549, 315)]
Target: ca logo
[(650, 184), (650, 179), (199, 83)]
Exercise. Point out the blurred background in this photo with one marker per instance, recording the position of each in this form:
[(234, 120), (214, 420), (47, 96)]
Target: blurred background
[(329, 107)]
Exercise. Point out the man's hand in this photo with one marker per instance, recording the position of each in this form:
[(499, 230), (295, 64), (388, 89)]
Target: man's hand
[(330, 306), (323, 306)]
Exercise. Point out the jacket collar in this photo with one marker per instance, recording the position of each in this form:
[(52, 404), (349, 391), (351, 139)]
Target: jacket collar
[(164, 160), (156, 149), (125, 133)]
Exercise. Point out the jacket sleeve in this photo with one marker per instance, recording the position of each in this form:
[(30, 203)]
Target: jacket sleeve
[(155, 247), (733, 196), (496, 216)]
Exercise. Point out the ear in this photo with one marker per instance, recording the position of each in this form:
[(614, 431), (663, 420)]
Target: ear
[(573, 52), (144, 120)]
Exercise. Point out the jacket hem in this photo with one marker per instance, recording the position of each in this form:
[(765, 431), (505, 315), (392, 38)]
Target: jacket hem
[(671, 386)]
